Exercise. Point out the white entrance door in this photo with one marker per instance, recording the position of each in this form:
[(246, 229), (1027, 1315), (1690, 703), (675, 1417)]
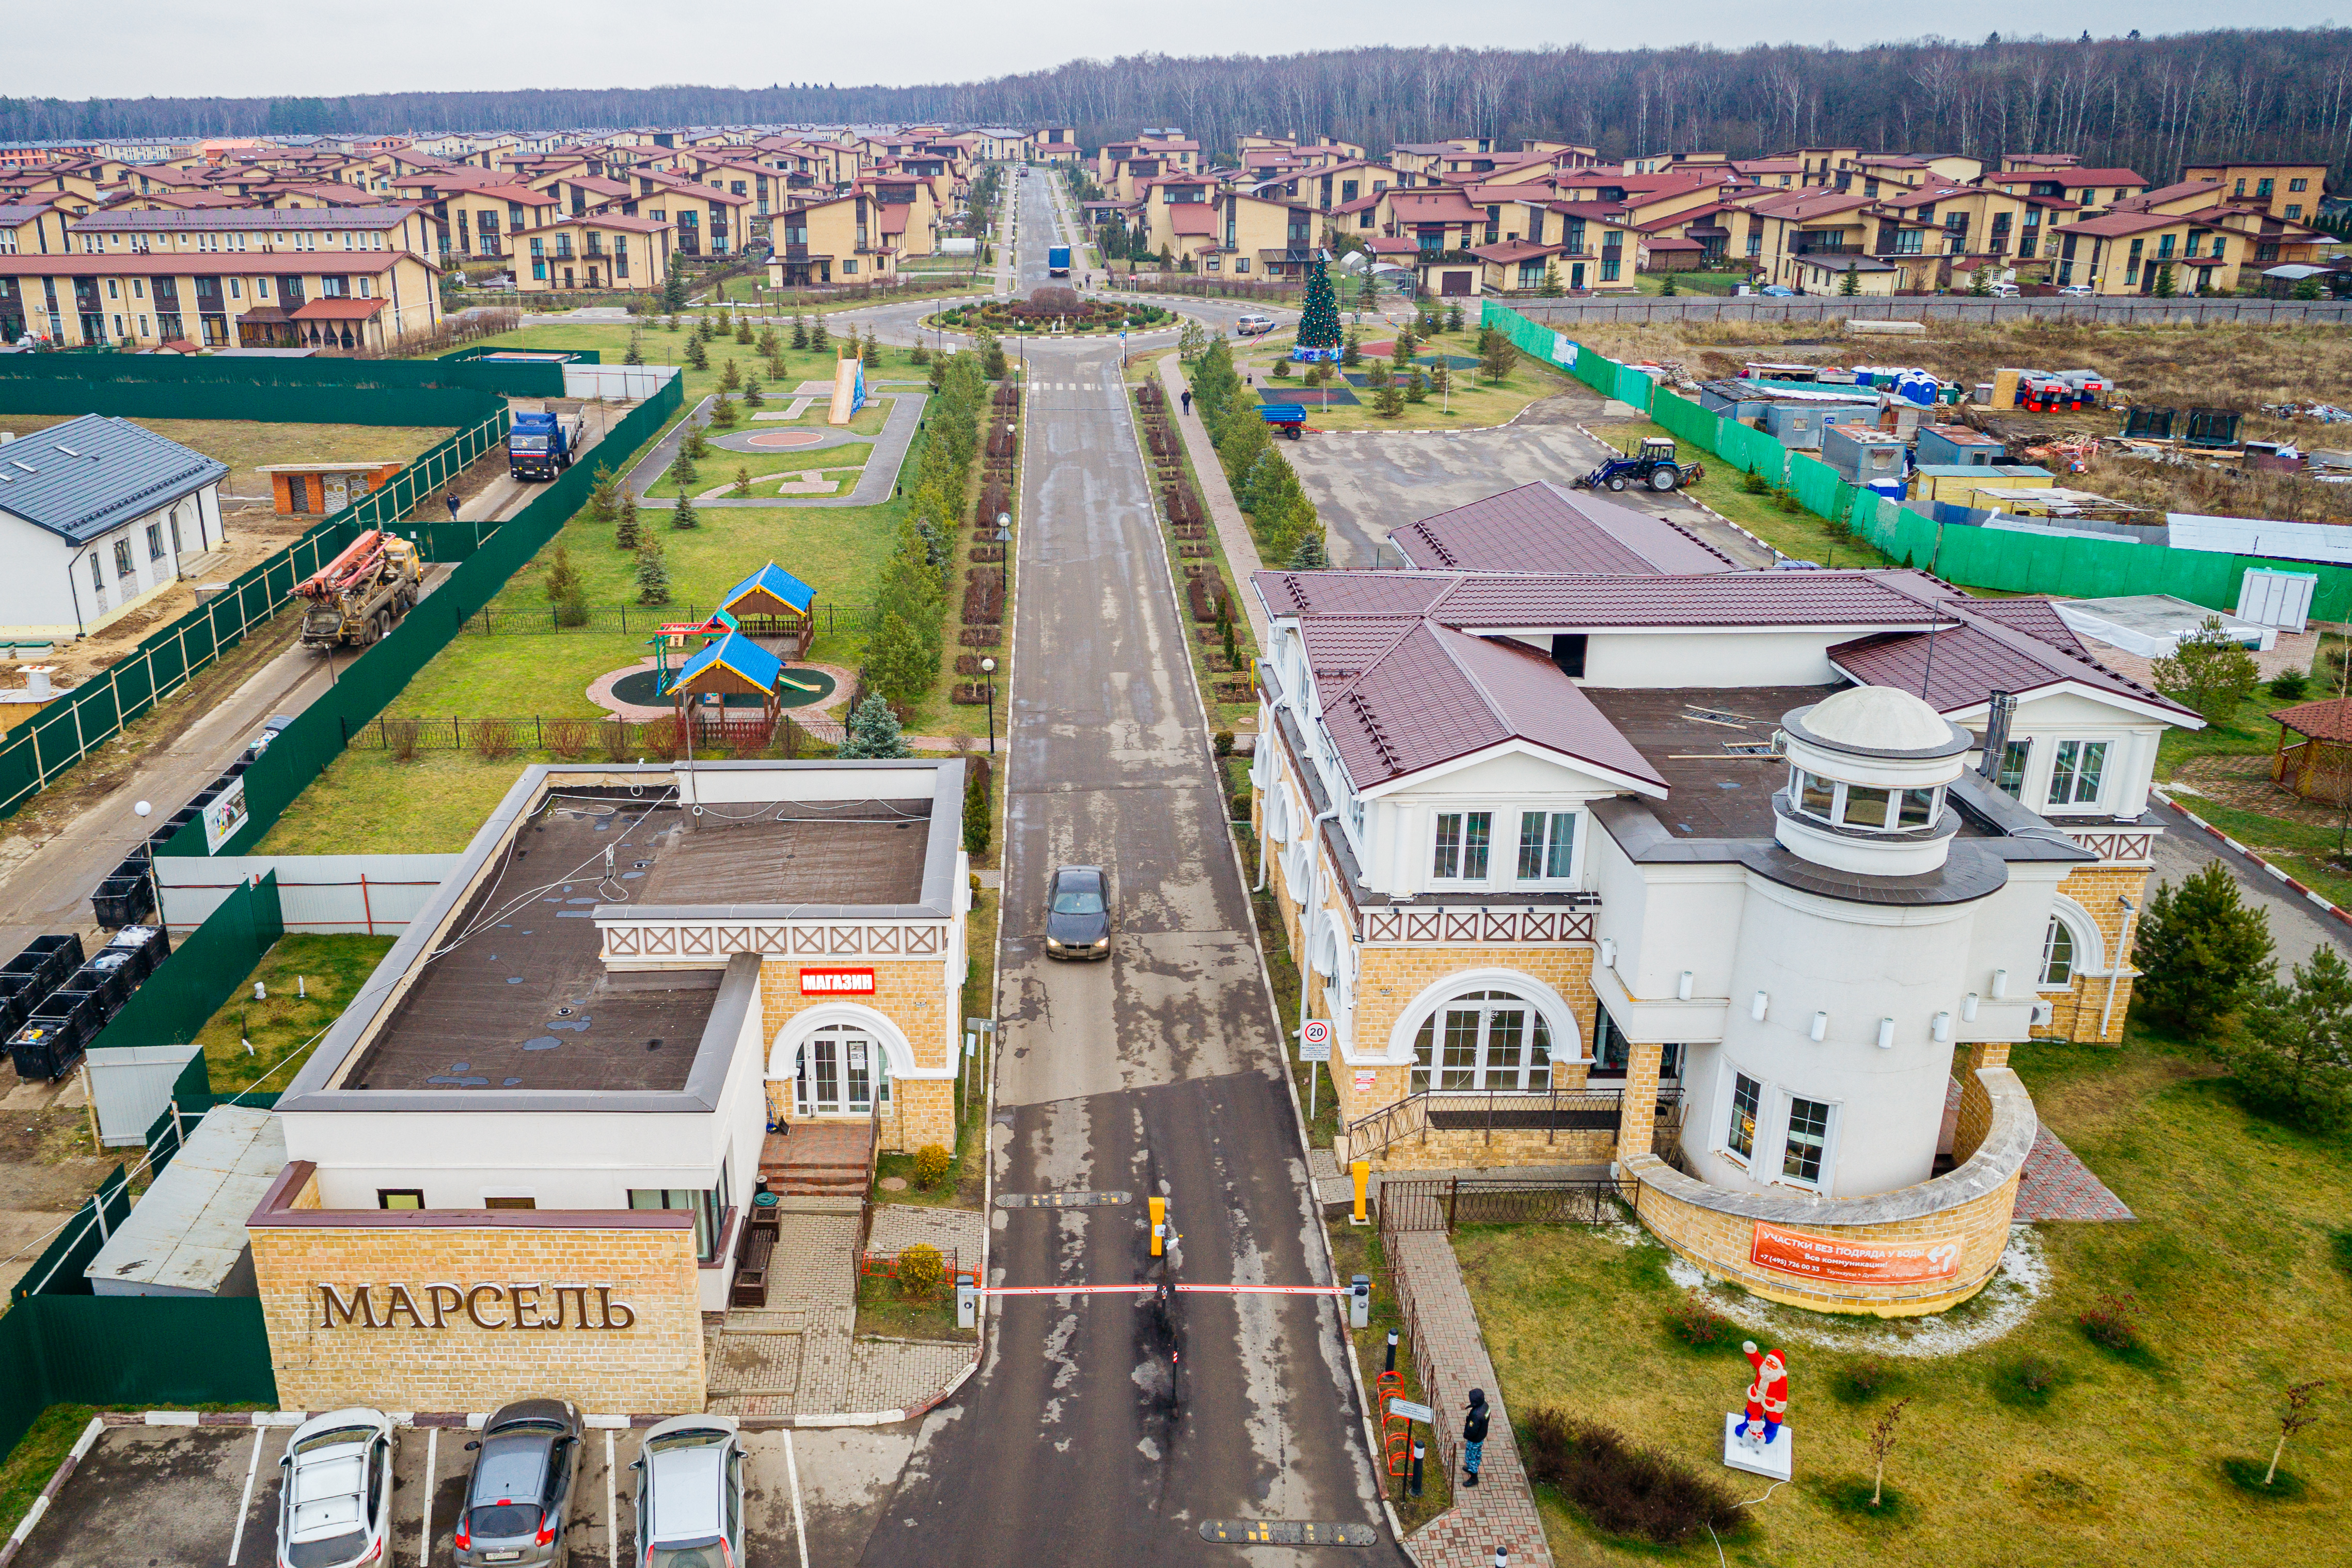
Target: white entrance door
[(835, 1073)]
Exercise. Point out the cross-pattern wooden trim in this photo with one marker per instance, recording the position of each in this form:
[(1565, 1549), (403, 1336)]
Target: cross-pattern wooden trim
[(2130, 844), (715, 940), (1476, 927)]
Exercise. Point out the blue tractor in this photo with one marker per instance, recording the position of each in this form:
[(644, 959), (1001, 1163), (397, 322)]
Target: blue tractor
[(1653, 467)]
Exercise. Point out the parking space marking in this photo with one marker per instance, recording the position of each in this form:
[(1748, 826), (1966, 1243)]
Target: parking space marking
[(252, 1468), (612, 1510), (800, 1521), (432, 1468)]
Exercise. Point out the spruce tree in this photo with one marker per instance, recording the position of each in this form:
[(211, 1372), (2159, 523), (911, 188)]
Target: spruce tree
[(1453, 318), (1851, 284), (2294, 1058), (753, 396), (872, 354), (683, 473), (818, 336), (696, 356), (562, 580), (653, 575), (730, 376), (800, 331), (629, 532), (1389, 402), (873, 732), (743, 330), (1310, 554), (604, 495), (978, 822), (1319, 323), (636, 354), (1351, 351), (684, 517), (769, 342)]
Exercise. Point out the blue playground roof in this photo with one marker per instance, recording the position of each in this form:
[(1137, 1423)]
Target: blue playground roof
[(738, 655), (777, 583)]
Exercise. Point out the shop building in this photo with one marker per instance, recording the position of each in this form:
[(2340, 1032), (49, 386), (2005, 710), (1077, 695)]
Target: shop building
[(553, 1102), (1680, 875)]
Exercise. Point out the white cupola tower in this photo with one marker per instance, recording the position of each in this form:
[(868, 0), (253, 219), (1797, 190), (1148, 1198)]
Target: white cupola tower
[(1867, 770)]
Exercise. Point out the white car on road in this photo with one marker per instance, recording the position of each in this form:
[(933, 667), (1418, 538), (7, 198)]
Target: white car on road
[(334, 1500)]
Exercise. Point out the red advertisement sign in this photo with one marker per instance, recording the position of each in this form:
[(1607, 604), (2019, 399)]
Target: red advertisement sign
[(836, 982), (1852, 1260)]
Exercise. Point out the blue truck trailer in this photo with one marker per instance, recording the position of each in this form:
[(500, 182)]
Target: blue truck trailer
[(1058, 261), (541, 446)]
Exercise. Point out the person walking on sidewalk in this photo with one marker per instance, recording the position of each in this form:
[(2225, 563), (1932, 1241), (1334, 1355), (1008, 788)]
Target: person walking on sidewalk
[(449, 499), (1188, 400), (1474, 1436)]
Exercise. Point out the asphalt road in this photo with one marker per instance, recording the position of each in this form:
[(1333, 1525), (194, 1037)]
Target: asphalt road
[(1106, 1429)]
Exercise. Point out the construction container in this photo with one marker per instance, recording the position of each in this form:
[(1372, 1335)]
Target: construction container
[(1955, 445), (1863, 455), (49, 959), (2280, 599), (1959, 484), (1797, 426)]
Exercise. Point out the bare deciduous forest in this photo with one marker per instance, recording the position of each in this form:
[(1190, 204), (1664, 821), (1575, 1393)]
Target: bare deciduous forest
[(2149, 104)]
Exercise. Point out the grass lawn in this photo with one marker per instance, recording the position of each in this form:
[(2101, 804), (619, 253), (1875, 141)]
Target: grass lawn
[(365, 803), (1222, 716), (2118, 1465), (749, 290), (721, 467), (245, 443), (885, 1310), (1798, 533), (331, 968), (1689, 282), (662, 347), (1474, 403)]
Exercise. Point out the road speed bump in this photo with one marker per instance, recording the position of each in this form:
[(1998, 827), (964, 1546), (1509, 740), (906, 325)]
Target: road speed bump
[(1286, 1532), (1064, 1200)]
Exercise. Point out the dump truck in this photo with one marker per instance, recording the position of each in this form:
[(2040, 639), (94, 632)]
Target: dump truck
[(1058, 261), (362, 594), (542, 444)]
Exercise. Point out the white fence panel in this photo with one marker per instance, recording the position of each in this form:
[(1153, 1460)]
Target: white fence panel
[(374, 894)]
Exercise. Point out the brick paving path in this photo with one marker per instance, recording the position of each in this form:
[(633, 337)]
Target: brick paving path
[(1501, 1511), (2055, 1184), (1233, 531), (797, 1357)]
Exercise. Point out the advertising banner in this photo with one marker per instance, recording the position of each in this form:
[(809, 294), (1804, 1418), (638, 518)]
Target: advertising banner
[(1844, 1260)]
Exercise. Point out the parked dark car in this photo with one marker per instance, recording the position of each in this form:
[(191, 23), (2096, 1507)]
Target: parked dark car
[(1078, 914), (521, 1493)]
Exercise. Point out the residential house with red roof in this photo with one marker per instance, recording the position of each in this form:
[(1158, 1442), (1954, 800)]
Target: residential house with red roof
[(2137, 252), (1598, 852)]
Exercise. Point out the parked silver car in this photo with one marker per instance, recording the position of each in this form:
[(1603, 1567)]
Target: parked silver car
[(690, 1494), (520, 1494), (334, 1494)]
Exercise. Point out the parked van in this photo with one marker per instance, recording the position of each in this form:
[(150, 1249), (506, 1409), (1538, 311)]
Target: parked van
[(1253, 325)]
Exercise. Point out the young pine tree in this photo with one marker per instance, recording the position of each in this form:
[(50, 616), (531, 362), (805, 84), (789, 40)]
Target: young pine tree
[(684, 517), (696, 356), (743, 330), (819, 339), (872, 353), (628, 533), (873, 732), (753, 395), (636, 354), (800, 331), (2293, 1056), (978, 823), (730, 376), (604, 499), (1310, 554)]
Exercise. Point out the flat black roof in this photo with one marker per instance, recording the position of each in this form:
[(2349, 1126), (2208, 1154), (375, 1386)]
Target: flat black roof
[(521, 999), (830, 852)]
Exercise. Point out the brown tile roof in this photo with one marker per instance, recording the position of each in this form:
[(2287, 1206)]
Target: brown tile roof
[(2330, 718), (1434, 695), (1193, 218), (1497, 600), (2004, 650), (1541, 528), (1424, 206)]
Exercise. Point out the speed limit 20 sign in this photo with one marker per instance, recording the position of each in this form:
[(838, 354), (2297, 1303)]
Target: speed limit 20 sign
[(1315, 1040)]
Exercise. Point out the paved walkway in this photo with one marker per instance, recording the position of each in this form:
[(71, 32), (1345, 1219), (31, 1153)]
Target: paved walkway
[(2055, 1184), (874, 487), (1232, 529), (1452, 1358)]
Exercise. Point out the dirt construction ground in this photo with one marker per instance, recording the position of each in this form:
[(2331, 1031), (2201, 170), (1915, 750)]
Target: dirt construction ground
[(187, 1497)]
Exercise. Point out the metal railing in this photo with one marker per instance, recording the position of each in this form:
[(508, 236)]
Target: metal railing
[(1443, 1203), (1487, 1112)]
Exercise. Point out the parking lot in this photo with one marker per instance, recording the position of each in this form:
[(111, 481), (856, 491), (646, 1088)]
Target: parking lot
[(183, 1496)]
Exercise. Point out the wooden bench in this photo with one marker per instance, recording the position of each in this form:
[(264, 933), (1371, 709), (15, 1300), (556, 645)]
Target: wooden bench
[(750, 1288)]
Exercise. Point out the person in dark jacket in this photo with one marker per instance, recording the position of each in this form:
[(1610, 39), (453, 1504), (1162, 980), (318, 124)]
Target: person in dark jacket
[(1188, 400), (1474, 1436)]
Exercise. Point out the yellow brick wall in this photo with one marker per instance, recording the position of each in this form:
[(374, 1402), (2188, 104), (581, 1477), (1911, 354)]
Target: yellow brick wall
[(1975, 1118), (2077, 1014), (910, 995), (1719, 1243), (653, 1365), (1389, 979)]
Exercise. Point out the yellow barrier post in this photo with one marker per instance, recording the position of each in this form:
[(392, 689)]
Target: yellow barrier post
[(1158, 1224), (1361, 1171)]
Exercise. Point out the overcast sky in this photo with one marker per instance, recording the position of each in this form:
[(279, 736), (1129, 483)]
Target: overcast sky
[(329, 47)]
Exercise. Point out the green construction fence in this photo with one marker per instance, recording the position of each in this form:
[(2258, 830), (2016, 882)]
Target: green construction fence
[(363, 687), (241, 376), (2084, 566)]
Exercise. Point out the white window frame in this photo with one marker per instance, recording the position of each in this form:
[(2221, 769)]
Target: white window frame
[(1839, 789), (1784, 1112), (1576, 839), (1731, 1075), (1458, 998), (2109, 758), (1462, 845)]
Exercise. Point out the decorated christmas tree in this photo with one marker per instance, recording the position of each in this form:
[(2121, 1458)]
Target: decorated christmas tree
[(1318, 327)]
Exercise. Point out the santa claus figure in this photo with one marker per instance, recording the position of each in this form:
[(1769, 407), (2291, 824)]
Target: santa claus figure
[(1768, 1396)]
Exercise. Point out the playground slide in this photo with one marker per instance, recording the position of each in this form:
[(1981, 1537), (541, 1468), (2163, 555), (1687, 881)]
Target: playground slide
[(848, 390)]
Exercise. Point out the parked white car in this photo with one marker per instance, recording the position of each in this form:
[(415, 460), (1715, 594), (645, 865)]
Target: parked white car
[(2002, 290), (2076, 290), (334, 1496), (690, 1494)]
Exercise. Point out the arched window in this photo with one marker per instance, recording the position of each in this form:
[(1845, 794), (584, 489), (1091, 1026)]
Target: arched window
[(2057, 953), (1483, 1040)]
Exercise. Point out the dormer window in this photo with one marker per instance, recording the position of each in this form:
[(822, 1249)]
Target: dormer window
[(1464, 838)]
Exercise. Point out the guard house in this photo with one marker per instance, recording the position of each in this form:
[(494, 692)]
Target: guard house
[(638, 991), (772, 603)]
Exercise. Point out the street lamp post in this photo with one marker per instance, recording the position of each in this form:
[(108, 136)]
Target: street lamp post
[(988, 668), (1004, 549)]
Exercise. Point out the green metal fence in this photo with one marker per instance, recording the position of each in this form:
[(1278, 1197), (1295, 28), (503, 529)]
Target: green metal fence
[(68, 729), (59, 1270), (239, 376), (2082, 567), (204, 970), (318, 734), (130, 1351)]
